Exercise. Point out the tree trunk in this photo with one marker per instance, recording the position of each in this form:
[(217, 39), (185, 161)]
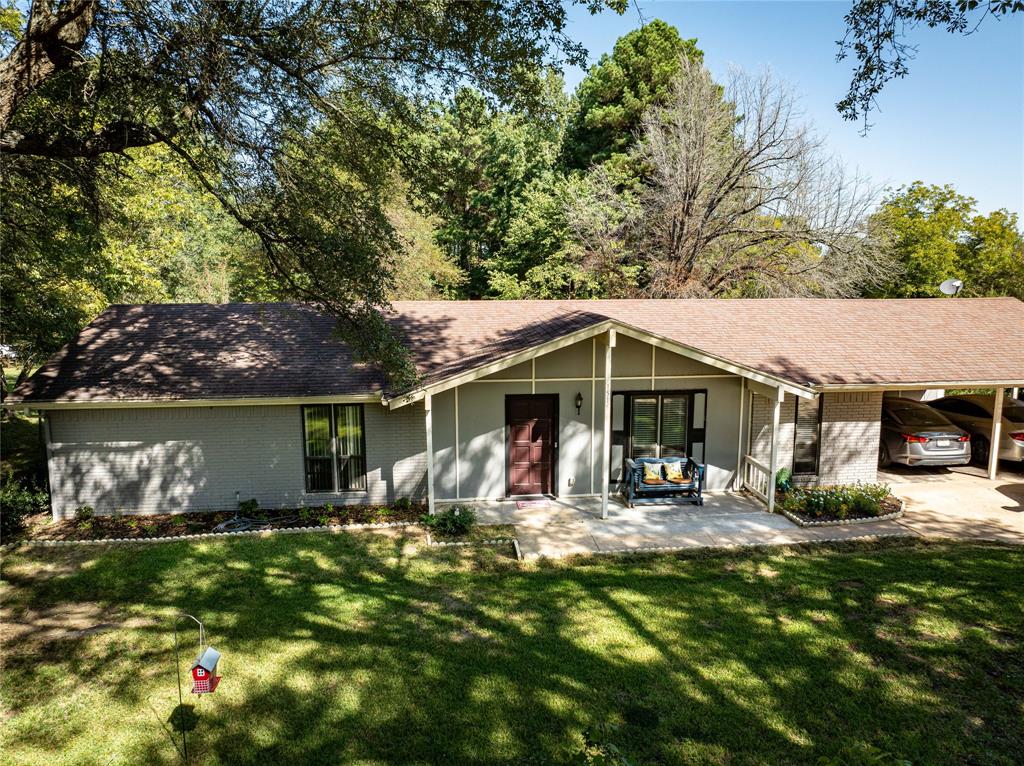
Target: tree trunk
[(50, 45)]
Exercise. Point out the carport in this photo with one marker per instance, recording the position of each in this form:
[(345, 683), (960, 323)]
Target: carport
[(999, 394)]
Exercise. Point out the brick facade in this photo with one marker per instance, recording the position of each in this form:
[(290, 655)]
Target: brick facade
[(850, 433)]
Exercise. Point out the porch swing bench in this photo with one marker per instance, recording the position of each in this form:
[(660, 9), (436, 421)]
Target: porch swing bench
[(641, 481)]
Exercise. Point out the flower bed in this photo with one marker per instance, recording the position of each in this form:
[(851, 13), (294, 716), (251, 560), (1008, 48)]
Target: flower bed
[(94, 527), (841, 504)]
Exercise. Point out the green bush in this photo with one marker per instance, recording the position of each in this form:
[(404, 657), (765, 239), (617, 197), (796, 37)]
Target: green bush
[(453, 521), (16, 502), (403, 504), (856, 500), (783, 480), (84, 513), (248, 507)]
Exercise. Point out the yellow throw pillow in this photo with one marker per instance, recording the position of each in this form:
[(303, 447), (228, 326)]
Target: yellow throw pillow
[(652, 472), (674, 471)]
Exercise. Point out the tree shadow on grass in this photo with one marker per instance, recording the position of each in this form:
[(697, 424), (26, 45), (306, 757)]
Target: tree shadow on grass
[(351, 648)]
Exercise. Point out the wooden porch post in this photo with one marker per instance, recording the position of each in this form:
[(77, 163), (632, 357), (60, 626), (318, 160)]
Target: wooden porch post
[(429, 422), (606, 443), (773, 461), (997, 433), (737, 482)]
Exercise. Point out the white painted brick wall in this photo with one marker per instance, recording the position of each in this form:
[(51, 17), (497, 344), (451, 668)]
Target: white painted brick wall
[(158, 460), (850, 432)]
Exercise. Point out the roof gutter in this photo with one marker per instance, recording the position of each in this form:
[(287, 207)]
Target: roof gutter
[(252, 401), (1003, 383)]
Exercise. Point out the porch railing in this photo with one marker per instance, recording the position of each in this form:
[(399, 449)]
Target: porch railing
[(756, 477)]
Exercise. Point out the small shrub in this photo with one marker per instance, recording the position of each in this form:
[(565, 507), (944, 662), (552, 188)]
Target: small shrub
[(783, 480), (381, 514), (841, 502), (453, 521), (84, 513), (306, 514), (328, 509), (403, 504), (248, 507), (179, 521), (16, 502)]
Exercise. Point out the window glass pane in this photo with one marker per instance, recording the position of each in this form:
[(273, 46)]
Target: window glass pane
[(805, 446), (645, 426), (316, 422), (673, 425), (351, 461)]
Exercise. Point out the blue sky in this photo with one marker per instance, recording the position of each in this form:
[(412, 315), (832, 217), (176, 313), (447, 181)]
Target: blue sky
[(958, 118)]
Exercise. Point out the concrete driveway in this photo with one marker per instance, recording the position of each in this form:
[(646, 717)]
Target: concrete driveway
[(961, 502)]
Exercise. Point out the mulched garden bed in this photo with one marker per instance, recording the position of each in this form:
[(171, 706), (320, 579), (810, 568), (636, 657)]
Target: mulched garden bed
[(890, 505), (42, 527)]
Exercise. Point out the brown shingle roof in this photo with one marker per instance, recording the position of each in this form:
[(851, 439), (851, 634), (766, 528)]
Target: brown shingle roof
[(200, 351)]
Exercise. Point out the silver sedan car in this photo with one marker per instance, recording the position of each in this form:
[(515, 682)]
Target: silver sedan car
[(973, 413), (915, 434)]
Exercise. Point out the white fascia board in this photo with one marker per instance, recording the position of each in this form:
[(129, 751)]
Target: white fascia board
[(500, 364), (610, 326), (928, 384), (164, 404)]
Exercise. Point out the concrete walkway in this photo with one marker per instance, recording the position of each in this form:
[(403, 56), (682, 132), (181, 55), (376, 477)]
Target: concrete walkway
[(563, 529), (958, 503)]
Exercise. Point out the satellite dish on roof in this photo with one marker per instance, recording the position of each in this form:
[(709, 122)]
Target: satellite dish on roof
[(951, 287)]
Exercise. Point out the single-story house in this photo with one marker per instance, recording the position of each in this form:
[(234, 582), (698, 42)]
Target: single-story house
[(183, 407)]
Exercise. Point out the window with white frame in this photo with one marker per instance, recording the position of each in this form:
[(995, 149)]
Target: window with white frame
[(334, 447)]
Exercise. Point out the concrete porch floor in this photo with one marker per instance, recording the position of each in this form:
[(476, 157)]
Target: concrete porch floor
[(565, 527)]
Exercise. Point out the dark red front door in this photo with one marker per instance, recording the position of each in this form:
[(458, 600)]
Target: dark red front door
[(531, 443)]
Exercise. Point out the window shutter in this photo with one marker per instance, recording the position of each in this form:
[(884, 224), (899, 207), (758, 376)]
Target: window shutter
[(805, 445), (645, 426), (673, 426)]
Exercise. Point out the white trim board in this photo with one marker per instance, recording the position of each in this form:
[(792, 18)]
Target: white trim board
[(607, 326)]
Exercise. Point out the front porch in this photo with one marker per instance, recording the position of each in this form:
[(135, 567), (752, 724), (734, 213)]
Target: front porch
[(567, 526)]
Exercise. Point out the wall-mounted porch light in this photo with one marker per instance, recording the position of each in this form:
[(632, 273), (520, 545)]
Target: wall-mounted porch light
[(579, 402)]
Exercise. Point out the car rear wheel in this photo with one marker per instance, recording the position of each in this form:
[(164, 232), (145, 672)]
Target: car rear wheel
[(979, 451), (884, 458)]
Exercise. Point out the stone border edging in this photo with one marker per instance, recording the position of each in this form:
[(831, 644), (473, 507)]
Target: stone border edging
[(334, 528), (431, 542), (844, 522)]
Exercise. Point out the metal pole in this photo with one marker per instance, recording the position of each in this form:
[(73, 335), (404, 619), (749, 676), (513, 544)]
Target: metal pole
[(181, 703), (177, 672)]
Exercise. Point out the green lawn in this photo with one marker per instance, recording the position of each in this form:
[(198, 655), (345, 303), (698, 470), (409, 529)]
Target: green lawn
[(358, 649)]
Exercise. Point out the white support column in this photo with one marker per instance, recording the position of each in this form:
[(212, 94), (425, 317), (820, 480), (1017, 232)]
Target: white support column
[(737, 481), (429, 421), (997, 433), (773, 460), (606, 444)]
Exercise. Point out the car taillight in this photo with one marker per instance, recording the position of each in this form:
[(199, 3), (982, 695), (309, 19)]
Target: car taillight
[(1017, 436), (914, 439), (964, 438)]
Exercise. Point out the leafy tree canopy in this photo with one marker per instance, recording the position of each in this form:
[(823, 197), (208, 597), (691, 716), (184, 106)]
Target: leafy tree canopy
[(247, 95), (937, 234), (876, 36)]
